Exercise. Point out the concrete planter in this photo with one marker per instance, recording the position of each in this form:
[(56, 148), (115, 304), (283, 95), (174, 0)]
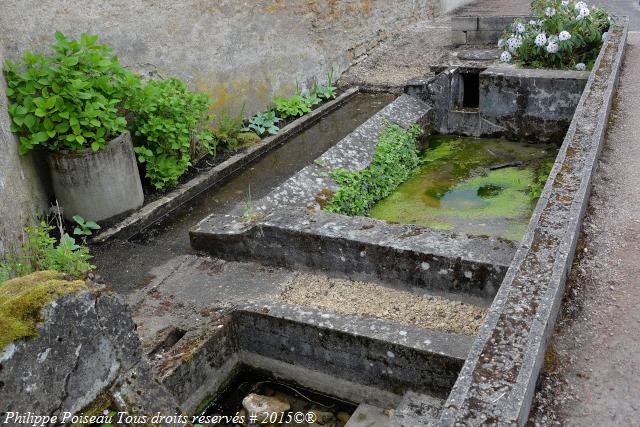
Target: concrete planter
[(100, 185)]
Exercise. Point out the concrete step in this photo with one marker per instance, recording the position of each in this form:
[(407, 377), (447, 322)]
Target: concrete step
[(417, 410), (370, 416)]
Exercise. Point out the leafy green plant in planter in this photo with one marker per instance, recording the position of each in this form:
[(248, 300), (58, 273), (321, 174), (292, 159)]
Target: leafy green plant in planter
[(69, 100), (328, 90), (567, 34), (294, 106), (70, 103), (265, 122), (170, 127)]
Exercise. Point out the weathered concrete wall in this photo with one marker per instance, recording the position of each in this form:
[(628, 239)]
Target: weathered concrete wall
[(527, 103), (479, 30), (236, 51), (515, 103), (22, 194)]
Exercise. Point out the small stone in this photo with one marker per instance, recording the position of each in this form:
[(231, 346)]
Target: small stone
[(258, 404), (343, 416), (323, 417)]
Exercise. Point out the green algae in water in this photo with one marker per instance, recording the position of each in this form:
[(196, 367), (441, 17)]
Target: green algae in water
[(469, 185)]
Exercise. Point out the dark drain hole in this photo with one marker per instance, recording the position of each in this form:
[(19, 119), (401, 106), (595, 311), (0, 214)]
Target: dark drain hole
[(171, 338)]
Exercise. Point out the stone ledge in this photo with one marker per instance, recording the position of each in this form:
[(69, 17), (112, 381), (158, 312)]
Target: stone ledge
[(361, 247), (229, 311), (497, 383)]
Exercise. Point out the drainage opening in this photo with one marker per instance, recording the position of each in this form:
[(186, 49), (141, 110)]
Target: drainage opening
[(171, 338), (470, 90)]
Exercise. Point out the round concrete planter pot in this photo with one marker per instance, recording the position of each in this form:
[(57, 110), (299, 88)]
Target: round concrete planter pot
[(97, 185)]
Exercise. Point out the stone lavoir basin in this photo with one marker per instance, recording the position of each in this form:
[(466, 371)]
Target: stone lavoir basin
[(484, 187)]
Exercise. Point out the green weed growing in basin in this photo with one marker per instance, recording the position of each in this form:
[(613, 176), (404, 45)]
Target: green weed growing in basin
[(265, 122), (395, 159)]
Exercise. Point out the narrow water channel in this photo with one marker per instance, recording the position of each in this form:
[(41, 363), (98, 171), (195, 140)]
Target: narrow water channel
[(123, 264)]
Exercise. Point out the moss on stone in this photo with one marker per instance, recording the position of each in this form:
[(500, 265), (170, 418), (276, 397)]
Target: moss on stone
[(22, 299), (248, 138)]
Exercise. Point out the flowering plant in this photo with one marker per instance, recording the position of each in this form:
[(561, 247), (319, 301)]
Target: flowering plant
[(566, 34)]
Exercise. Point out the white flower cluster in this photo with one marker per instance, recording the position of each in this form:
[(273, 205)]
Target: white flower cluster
[(582, 9), (513, 43), (541, 39), (524, 40)]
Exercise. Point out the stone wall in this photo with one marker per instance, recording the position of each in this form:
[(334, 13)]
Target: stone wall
[(239, 52), (479, 30), (527, 103)]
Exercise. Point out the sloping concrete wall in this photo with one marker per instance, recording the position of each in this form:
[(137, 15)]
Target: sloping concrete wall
[(22, 193)]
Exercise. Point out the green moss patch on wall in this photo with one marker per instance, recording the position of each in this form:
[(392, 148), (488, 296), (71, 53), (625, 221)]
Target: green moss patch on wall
[(22, 299)]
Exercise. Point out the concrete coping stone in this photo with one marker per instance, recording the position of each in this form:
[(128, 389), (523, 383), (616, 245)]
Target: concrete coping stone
[(497, 383), (536, 73), (154, 211)]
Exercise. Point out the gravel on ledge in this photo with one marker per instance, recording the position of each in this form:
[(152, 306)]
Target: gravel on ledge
[(374, 300)]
